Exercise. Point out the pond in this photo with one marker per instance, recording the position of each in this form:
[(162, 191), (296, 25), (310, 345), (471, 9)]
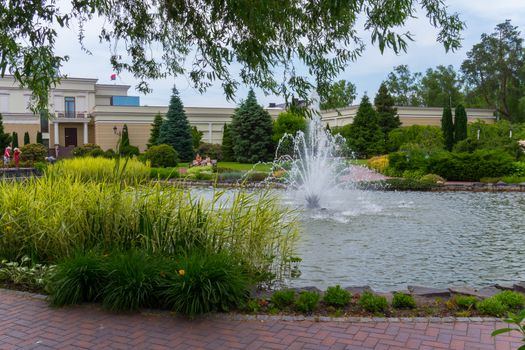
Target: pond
[(389, 240)]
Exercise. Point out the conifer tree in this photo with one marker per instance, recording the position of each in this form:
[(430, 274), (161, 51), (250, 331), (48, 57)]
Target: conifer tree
[(365, 136), (14, 140), (27, 141), (251, 131), (124, 140), (196, 137), (5, 139), (227, 145), (175, 130), (447, 127), (39, 139), (460, 124), (155, 131), (387, 116)]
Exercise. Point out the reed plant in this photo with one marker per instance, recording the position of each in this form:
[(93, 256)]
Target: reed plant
[(128, 170), (53, 217)]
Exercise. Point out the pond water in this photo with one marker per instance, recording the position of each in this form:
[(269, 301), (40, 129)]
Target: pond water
[(389, 240)]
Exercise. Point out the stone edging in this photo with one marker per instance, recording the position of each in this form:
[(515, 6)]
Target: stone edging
[(296, 318), (293, 318)]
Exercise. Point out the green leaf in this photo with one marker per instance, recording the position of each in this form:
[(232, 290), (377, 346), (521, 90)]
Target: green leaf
[(501, 331)]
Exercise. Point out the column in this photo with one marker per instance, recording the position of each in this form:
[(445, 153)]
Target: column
[(57, 135), (85, 133), (210, 129)]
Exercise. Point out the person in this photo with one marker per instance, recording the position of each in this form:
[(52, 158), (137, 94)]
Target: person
[(51, 159), (7, 156), (16, 157), (207, 161), (198, 160)]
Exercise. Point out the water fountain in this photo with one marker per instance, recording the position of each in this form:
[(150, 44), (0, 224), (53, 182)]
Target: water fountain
[(313, 160)]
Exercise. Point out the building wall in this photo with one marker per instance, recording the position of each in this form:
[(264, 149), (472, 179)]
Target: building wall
[(21, 129), (408, 116), (209, 120)]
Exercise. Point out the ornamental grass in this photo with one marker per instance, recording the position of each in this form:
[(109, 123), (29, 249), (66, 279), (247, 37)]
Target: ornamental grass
[(53, 217)]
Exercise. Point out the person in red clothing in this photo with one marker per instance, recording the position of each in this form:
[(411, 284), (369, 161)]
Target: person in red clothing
[(7, 156), (16, 157)]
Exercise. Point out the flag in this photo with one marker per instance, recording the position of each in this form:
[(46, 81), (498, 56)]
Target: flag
[(113, 76)]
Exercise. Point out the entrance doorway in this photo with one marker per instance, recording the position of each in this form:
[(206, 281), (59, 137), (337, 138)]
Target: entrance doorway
[(71, 137)]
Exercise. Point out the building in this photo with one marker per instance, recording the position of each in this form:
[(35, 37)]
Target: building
[(86, 112), (407, 115)]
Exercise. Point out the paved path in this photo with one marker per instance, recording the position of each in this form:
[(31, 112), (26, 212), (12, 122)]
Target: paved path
[(26, 322)]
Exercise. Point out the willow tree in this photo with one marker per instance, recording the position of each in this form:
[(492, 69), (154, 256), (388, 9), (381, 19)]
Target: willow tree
[(258, 36)]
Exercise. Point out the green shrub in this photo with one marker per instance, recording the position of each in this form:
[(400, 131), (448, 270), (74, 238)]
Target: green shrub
[(204, 282), (133, 279), (256, 176), (492, 307), (512, 300), (231, 176), (97, 153), (84, 150), (337, 296), (465, 301), (429, 138), (373, 303), (413, 174), (470, 166), (513, 179), (403, 301), (77, 279), (129, 151), (33, 152), (432, 178), (518, 169), (110, 153), (307, 302), (283, 298), (489, 180), (212, 150), (402, 161), (162, 156)]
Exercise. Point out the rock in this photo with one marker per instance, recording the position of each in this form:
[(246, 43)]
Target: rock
[(501, 183), (519, 287), (429, 292), (488, 292), (504, 286), (256, 293), (308, 289), (464, 291), (358, 289)]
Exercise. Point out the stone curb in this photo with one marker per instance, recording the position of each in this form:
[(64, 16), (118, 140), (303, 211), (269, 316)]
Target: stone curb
[(293, 318), (297, 318)]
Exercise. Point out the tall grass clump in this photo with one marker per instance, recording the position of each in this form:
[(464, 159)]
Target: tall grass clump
[(130, 171), (50, 218)]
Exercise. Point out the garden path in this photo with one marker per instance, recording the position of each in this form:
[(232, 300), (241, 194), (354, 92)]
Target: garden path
[(27, 322)]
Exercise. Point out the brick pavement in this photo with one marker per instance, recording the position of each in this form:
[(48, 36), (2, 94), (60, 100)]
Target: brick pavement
[(27, 322)]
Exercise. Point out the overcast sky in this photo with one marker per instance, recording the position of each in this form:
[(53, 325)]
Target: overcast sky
[(481, 16)]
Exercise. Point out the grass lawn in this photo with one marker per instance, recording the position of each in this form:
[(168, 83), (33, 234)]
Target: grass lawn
[(362, 162), (237, 166)]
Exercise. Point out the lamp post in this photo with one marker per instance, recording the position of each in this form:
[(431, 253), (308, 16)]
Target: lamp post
[(479, 131), (510, 133)]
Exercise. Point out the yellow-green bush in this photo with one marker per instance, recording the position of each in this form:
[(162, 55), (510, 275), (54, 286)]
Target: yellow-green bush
[(379, 163), (101, 169)]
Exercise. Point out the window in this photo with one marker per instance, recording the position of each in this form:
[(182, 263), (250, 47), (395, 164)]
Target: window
[(69, 103), (4, 102), (44, 122)]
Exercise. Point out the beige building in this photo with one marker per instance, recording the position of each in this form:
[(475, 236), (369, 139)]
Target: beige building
[(407, 115), (86, 112)]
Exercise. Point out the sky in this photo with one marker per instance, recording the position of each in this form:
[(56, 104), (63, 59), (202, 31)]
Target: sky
[(367, 73)]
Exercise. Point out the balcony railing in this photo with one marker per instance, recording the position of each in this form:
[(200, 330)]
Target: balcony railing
[(68, 115)]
